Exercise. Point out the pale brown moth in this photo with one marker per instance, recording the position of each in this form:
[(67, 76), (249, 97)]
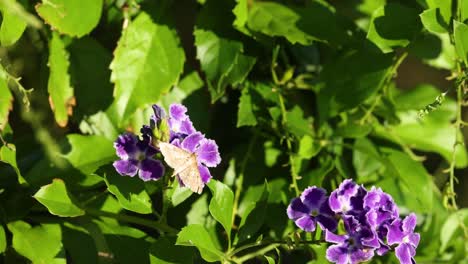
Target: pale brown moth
[(184, 163)]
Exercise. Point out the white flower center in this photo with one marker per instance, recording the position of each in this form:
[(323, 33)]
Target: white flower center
[(406, 239)]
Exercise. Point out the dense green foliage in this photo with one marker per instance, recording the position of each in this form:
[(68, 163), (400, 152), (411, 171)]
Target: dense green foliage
[(295, 92)]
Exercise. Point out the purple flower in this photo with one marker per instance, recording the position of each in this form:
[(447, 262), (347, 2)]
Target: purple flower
[(402, 233), (206, 151), (135, 157), (381, 211), (179, 122), (312, 207), (356, 246), (348, 199)]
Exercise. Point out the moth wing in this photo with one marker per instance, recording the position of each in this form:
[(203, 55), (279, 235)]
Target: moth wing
[(174, 156), (190, 175), (184, 163)]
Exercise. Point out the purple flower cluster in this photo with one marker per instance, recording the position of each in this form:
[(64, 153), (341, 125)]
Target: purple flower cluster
[(370, 218), (137, 154)]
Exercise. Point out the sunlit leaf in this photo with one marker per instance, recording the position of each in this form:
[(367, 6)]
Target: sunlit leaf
[(58, 201), (198, 236), (72, 17), (147, 62), (59, 87)]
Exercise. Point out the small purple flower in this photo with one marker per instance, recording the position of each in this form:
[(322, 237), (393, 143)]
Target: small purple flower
[(135, 157), (356, 246), (179, 122), (206, 151), (312, 207), (348, 198), (402, 233)]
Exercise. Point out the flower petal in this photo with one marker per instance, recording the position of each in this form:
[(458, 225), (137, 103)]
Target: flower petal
[(190, 143), (177, 112), (404, 253), (207, 153), (306, 223), (334, 238), (338, 254), (204, 174), (125, 167), (313, 197), (151, 170), (414, 239), (159, 113), (395, 234), (297, 209), (409, 223), (361, 255), (125, 145), (186, 127), (327, 222)]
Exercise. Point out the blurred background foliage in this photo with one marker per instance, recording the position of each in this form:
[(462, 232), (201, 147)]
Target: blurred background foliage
[(295, 92)]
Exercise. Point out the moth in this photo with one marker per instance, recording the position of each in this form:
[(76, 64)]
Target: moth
[(184, 164)]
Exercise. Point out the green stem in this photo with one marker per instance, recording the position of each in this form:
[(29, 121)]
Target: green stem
[(270, 246), (284, 121), (257, 253), (160, 227)]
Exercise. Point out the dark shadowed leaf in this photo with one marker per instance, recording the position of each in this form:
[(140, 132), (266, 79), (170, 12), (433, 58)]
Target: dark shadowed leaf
[(393, 25)]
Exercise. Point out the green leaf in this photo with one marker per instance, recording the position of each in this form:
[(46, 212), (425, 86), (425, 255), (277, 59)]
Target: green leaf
[(461, 40), (221, 204), (219, 50), (164, 251), (8, 153), (3, 242), (241, 12), (297, 25), (178, 194), (253, 215), (393, 25), (297, 124), (60, 90), (451, 229), (364, 161), (432, 21), (147, 62), (434, 132), (88, 153), (245, 114), (40, 244), (414, 186), (130, 192), (6, 99), (198, 236), (308, 147), (55, 197), (12, 26), (362, 73), (72, 17), (99, 124), (445, 8)]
